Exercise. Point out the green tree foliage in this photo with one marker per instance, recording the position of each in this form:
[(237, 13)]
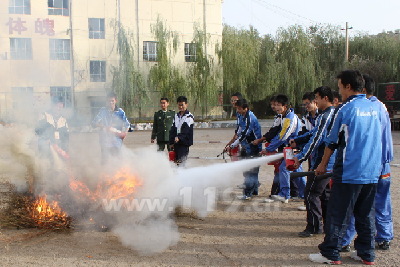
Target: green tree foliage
[(297, 60), (240, 55), (296, 54), (378, 55), (127, 81), (292, 62), (202, 80), (164, 76)]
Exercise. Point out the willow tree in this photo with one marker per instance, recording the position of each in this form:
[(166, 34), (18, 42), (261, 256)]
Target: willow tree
[(240, 59), (377, 55), (202, 76), (296, 57), (127, 81), (270, 69), (164, 77), (329, 50)]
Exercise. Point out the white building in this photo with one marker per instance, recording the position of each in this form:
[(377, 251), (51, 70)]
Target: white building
[(52, 48)]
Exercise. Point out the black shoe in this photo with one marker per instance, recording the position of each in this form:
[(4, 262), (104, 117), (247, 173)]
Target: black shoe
[(384, 245), (305, 233), (345, 248)]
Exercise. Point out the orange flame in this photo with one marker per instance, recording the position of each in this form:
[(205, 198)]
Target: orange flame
[(123, 184), (78, 186), (48, 214)]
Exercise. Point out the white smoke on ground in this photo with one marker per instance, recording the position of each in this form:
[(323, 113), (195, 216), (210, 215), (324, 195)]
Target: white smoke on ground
[(151, 231), (17, 157), (145, 229)]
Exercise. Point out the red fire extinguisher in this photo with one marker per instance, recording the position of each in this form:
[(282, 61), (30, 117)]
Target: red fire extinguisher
[(234, 153), (275, 163), (172, 156), (288, 156)]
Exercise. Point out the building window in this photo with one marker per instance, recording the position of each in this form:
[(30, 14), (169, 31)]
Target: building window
[(60, 49), (22, 97), (58, 7), (190, 52), (150, 51), (97, 71), (96, 28), (61, 92), (19, 7), (21, 48)]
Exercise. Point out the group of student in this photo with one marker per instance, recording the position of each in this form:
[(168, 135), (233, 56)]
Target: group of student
[(351, 141)]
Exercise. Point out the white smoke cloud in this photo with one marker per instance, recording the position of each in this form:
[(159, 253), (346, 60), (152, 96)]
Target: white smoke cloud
[(153, 231), (17, 157), (146, 229)]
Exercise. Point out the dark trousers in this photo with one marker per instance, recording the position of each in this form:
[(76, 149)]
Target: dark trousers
[(294, 189), (347, 200), (250, 177), (162, 145), (312, 199), (325, 200), (182, 152), (251, 182)]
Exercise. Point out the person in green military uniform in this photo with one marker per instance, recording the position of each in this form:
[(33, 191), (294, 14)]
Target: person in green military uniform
[(162, 124)]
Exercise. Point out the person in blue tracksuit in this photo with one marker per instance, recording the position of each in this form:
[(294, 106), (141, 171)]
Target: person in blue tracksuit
[(290, 126), (383, 204), (313, 150), (356, 127), (267, 137), (297, 185), (249, 130), (309, 119), (113, 125)]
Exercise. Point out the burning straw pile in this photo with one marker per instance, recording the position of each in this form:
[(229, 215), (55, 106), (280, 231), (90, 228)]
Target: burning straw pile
[(28, 211)]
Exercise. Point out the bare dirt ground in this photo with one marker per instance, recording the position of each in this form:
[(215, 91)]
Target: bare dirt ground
[(236, 234)]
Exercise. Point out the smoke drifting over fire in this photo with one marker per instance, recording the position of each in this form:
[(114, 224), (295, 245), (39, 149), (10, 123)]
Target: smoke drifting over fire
[(142, 218)]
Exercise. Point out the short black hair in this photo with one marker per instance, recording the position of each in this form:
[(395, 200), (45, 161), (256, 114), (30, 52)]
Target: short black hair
[(182, 99), (324, 91), (282, 99), (238, 95), (272, 99), (164, 98), (112, 95), (242, 103), (309, 96), (369, 84), (337, 95), (352, 77)]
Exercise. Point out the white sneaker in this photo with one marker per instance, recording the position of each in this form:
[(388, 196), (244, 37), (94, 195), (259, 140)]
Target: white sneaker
[(280, 198), (268, 200), (244, 197), (354, 256), (302, 208), (321, 259)]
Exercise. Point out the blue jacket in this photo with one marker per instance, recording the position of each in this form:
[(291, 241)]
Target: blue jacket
[(249, 130), (315, 145), (114, 119), (356, 134), (290, 127), (387, 143), (275, 128)]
